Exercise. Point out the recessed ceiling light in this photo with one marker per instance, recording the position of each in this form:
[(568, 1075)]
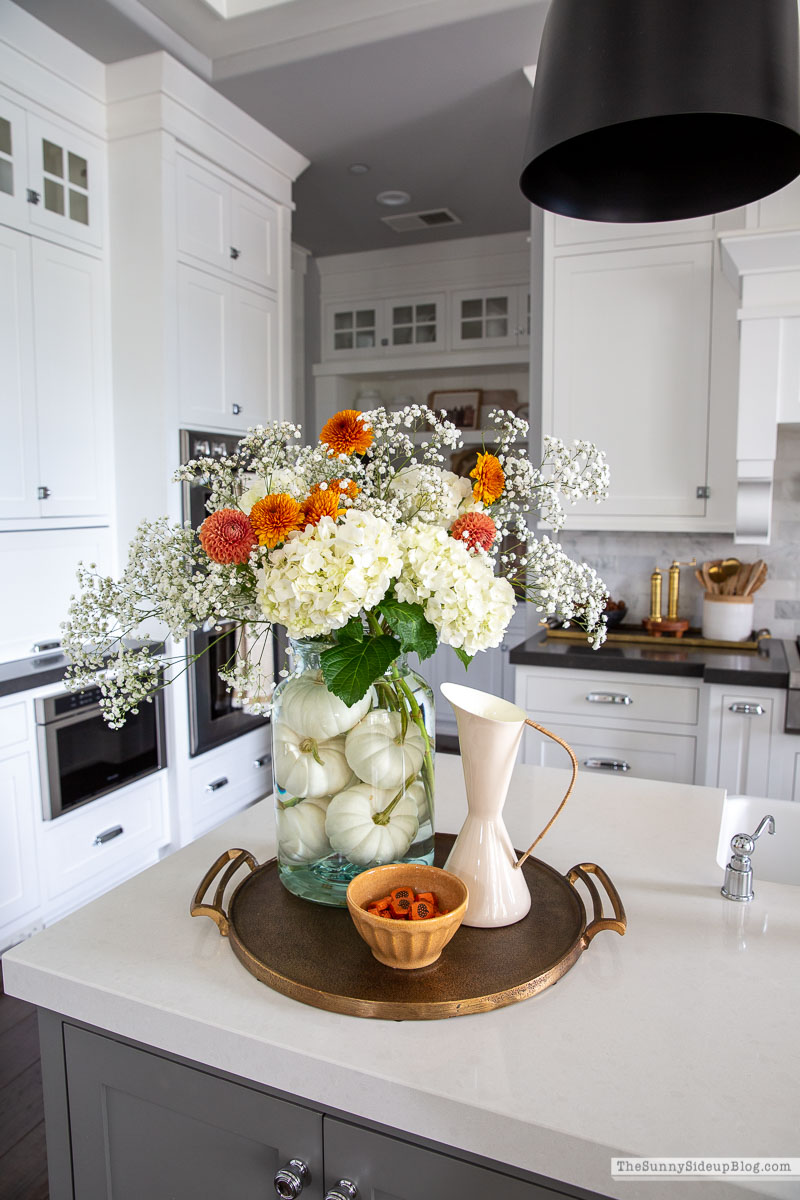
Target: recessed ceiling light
[(358, 168), (393, 199)]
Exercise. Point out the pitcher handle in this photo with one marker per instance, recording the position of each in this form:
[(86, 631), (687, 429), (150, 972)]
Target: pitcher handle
[(567, 794)]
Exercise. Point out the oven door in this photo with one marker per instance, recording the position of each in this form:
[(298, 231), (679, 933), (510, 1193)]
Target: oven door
[(81, 758), (214, 718)]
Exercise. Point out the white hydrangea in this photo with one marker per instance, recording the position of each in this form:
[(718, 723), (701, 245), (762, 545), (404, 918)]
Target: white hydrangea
[(325, 574), (468, 605), (432, 494)]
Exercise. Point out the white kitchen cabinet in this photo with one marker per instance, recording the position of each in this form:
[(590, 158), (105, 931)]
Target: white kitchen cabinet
[(19, 878), (628, 335), (370, 328), (747, 750), (225, 226), (634, 725), (51, 176), (228, 779), (227, 351), (54, 402), (490, 317)]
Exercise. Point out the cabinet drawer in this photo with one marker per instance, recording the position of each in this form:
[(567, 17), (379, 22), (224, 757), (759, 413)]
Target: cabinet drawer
[(72, 852), (612, 697), (226, 780), (629, 753)]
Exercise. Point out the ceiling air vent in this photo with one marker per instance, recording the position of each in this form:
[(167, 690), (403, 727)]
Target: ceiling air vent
[(435, 218)]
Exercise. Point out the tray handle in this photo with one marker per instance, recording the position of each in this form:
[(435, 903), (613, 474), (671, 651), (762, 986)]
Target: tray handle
[(215, 910), (619, 922)]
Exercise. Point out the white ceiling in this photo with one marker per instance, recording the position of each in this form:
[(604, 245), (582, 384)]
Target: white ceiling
[(429, 93)]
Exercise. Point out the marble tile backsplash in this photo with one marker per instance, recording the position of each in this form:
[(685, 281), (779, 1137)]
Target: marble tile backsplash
[(626, 560)]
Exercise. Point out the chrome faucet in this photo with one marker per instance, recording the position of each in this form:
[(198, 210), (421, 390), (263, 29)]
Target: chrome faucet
[(738, 883)]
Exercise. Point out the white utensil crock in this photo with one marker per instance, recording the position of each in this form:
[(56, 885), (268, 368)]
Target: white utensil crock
[(727, 618)]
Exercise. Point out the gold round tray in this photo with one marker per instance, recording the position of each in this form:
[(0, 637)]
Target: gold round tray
[(314, 954)]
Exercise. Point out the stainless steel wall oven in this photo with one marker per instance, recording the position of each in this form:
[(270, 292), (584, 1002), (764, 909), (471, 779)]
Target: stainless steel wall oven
[(214, 718), (81, 758)]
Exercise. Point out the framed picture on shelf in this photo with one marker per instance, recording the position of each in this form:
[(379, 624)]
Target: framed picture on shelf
[(506, 398), (462, 405)]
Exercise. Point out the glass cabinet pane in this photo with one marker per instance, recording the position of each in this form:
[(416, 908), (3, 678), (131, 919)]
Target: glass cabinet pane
[(426, 313), (403, 336), (343, 320), (54, 196), (79, 206), (52, 159), (6, 176), (5, 136), (403, 315), (78, 170), (343, 341), (365, 318), (471, 308), (497, 306)]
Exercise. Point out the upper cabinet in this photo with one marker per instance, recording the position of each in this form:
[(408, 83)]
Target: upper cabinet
[(638, 354), (51, 177), (427, 306)]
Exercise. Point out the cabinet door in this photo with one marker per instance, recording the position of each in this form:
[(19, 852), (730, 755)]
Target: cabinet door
[(13, 165), (413, 325), (351, 330), (254, 240), (626, 365), (19, 886), (141, 1125), (385, 1168), (204, 214), (71, 380), (203, 331), (65, 172), (485, 317), (745, 745), (252, 369), (18, 458)]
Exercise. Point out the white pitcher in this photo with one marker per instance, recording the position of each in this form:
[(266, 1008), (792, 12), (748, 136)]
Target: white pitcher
[(489, 731)]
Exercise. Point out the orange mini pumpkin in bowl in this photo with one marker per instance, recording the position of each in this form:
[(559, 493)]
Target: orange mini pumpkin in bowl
[(406, 944)]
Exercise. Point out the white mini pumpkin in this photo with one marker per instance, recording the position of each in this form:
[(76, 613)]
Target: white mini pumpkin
[(301, 830), (378, 752), (353, 833), (420, 797), (309, 708), (306, 767)]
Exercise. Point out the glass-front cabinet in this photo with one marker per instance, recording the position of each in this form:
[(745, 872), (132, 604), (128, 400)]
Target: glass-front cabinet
[(50, 177), (490, 317), (362, 329)]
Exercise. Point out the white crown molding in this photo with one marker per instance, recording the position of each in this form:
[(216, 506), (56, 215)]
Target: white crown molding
[(166, 36)]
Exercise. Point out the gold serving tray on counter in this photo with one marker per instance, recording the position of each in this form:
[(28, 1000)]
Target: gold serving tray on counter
[(635, 635), (314, 954)]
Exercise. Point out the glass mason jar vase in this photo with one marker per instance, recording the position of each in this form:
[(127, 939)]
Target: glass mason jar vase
[(353, 785)]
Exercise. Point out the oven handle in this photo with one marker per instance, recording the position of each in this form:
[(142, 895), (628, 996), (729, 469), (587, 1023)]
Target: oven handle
[(70, 718)]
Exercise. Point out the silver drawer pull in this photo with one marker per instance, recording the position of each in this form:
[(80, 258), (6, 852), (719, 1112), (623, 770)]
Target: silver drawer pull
[(216, 784), (108, 835), (609, 698), (749, 710), (292, 1179), (606, 764), (344, 1190), (258, 763)]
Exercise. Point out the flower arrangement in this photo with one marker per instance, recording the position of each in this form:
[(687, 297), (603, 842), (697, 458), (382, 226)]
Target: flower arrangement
[(364, 549), (363, 537)]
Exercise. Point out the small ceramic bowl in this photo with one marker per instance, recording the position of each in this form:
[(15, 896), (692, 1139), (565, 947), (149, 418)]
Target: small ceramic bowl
[(407, 944)]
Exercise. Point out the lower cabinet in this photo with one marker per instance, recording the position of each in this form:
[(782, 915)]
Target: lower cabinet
[(748, 752), (126, 1122)]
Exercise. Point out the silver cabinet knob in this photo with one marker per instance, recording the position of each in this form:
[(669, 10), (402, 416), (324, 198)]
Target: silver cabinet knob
[(344, 1190), (236, 409), (748, 710), (235, 253), (291, 1179)]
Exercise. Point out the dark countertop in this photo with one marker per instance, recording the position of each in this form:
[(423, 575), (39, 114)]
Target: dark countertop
[(25, 674), (765, 667)]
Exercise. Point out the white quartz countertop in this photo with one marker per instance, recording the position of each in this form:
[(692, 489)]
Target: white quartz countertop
[(680, 1039)]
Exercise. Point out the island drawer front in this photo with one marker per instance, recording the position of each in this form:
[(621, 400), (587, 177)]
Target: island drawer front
[(85, 844), (226, 780), (613, 697), (628, 754)]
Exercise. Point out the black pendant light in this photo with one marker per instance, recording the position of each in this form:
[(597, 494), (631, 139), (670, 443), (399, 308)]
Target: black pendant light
[(656, 110)]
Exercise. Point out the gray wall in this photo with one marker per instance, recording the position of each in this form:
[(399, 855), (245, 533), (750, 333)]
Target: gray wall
[(625, 560)]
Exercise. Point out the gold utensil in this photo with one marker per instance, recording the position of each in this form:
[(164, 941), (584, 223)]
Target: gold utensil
[(708, 581), (729, 567), (757, 578)]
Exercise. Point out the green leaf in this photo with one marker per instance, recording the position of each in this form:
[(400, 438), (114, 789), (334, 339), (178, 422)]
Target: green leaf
[(353, 631), (349, 669), (465, 658), (411, 625)]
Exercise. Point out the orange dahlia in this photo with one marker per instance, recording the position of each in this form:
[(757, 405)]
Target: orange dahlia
[(274, 518), (342, 487), (346, 433), (489, 479), (226, 536), (475, 529), (322, 504)]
